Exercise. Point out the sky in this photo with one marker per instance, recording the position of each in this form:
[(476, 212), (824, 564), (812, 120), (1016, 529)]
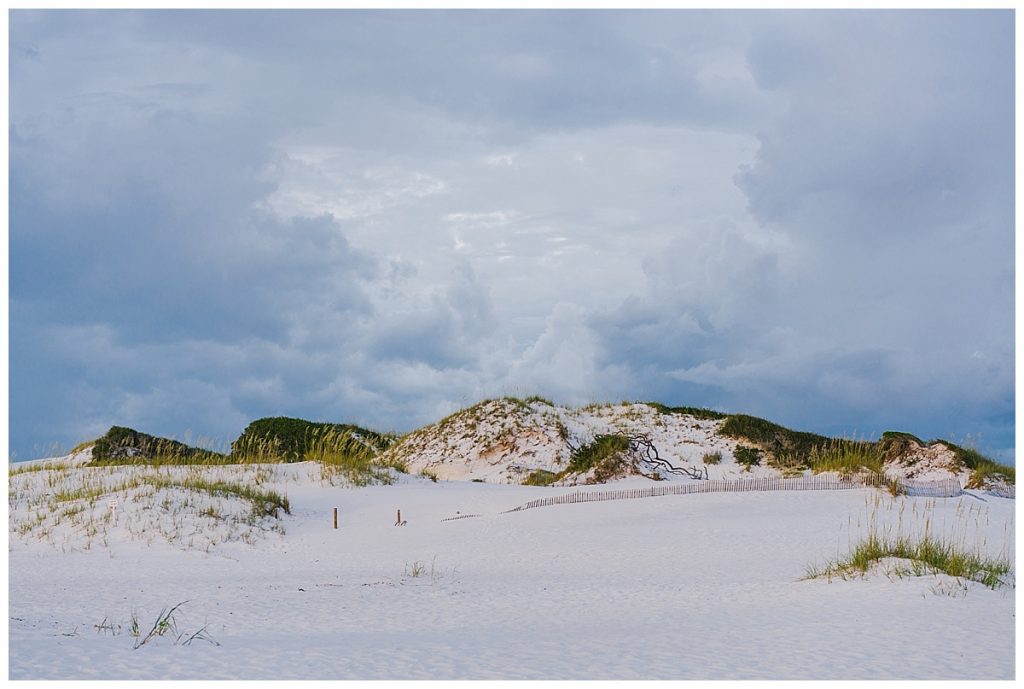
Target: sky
[(379, 217)]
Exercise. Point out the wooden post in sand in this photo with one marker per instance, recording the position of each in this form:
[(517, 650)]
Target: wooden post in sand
[(335, 517), (398, 522)]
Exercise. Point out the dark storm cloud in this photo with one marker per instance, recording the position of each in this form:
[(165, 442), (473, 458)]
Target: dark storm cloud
[(380, 216)]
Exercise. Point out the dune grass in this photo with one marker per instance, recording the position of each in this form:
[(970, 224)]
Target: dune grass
[(16, 470), (540, 477), (770, 436), (846, 457), (986, 469), (926, 555), (983, 469), (265, 503)]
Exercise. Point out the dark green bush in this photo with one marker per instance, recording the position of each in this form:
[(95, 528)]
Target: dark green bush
[(121, 445), (772, 437), (747, 456), (292, 440), (603, 447)]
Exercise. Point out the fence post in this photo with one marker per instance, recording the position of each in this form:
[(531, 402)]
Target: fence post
[(335, 517)]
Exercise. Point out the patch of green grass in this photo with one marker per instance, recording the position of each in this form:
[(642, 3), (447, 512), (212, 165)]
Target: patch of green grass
[(713, 458), (82, 446), (603, 449), (900, 435), (265, 503), (696, 412), (931, 554), (747, 456), (121, 445), (537, 399), (770, 436), (986, 470), (790, 463), (540, 477), (981, 467), (606, 455), (522, 405), (80, 493), (286, 439), (847, 457), (16, 470)]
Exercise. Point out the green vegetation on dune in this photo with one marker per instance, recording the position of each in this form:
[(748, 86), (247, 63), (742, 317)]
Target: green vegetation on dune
[(893, 445), (982, 468), (770, 436), (607, 455), (793, 451), (265, 503), (364, 455), (696, 412), (122, 445), (604, 454), (926, 555), (747, 456), (341, 449), (540, 477), (847, 457), (281, 438)]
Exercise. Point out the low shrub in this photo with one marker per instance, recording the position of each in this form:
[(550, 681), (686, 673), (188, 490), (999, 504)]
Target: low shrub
[(601, 450), (286, 439), (121, 445), (772, 437), (713, 458), (540, 477), (747, 456)]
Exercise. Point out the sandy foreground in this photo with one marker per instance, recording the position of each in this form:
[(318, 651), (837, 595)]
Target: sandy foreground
[(676, 587)]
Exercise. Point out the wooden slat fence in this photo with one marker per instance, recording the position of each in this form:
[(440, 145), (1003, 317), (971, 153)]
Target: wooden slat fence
[(945, 488), (461, 516)]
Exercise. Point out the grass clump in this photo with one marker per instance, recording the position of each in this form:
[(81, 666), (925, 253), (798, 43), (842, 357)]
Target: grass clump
[(713, 458), (286, 439), (927, 554), (747, 456), (847, 457), (540, 477), (790, 463), (983, 469), (606, 455), (986, 471), (265, 503), (341, 449), (16, 470)]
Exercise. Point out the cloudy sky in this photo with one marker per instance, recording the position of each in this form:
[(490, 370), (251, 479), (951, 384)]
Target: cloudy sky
[(379, 217)]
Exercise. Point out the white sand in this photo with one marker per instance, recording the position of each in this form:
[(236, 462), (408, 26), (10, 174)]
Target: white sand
[(677, 587)]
